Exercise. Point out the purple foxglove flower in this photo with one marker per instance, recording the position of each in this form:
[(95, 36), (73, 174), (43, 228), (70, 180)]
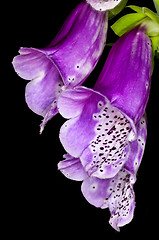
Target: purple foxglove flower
[(66, 61), (102, 122), (115, 193)]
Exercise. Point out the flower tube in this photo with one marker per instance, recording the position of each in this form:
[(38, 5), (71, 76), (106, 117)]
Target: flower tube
[(106, 132), (102, 122), (66, 61)]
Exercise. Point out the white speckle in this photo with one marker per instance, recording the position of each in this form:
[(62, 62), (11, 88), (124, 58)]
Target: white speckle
[(87, 68), (136, 162), (94, 187), (142, 122), (54, 104), (63, 88), (96, 54), (77, 67), (96, 35), (147, 85), (131, 136), (58, 88), (100, 104), (92, 21), (141, 142), (95, 116), (132, 179), (39, 77), (71, 78)]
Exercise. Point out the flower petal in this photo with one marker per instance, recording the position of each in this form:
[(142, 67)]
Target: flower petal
[(116, 193), (121, 201), (51, 111), (71, 102), (125, 78), (96, 191), (103, 5), (76, 133), (46, 83), (137, 148), (30, 64), (103, 166), (72, 168)]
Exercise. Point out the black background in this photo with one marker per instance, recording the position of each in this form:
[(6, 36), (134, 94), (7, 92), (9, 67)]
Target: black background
[(38, 200)]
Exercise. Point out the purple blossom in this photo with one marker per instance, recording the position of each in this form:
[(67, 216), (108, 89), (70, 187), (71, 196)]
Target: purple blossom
[(115, 193), (66, 61), (106, 132), (103, 121)]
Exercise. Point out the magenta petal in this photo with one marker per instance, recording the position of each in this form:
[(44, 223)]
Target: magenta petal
[(72, 168), (126, 75), (46, 83)]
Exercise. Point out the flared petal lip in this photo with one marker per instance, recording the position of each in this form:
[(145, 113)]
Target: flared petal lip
[(34, 65), (94, 91), (72, 168), (41, 51)]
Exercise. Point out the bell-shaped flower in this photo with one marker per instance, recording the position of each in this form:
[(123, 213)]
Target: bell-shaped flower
[(115, 193), (102, 122), (66, 61)]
